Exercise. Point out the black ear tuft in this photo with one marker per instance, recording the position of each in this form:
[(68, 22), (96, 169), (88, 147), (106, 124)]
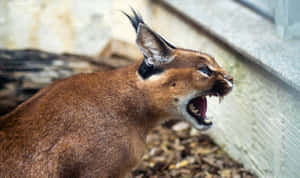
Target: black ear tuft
[(135, 20), (163, 47)]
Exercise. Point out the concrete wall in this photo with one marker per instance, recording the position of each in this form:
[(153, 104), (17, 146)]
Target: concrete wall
[(75, 26), (259, 122)]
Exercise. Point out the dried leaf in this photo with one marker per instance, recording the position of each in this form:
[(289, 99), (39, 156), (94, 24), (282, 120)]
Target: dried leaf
[(186, 153), (181, 164)]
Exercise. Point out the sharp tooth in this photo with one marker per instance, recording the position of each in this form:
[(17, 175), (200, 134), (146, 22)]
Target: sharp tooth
[(191, 106), (220, 99), (195, 111), (207, 121)]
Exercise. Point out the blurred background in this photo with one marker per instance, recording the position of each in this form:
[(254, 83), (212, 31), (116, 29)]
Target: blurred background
[(257, 41)]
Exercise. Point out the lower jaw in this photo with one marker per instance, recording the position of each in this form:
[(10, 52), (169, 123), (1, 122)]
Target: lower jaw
[(201, 127), (201, 120), (197, 108)]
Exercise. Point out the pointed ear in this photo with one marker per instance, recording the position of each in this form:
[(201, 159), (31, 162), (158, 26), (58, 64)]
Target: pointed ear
[(155, 49)]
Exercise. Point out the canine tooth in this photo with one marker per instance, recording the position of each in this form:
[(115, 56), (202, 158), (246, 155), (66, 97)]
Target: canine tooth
[(195, 111), (191, 106), (221, 99), (207, 121)]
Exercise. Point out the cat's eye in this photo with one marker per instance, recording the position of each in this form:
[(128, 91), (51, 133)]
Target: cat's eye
[(205, 70)]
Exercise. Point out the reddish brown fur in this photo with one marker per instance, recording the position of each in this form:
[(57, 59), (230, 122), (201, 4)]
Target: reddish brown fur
[(95, 125)]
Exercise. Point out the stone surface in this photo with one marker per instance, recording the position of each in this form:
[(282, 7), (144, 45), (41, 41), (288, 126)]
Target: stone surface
[(74, 26), (248, 33), (258, 124), (56, 26)]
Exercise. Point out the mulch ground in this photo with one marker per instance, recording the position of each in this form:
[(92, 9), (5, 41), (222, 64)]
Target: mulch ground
[(177, 150)]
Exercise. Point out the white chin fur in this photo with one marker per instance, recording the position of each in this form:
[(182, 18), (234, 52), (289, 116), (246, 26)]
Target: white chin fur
[(182, 108)]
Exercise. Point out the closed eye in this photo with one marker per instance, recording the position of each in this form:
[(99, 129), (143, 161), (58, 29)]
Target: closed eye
[(205, 71)]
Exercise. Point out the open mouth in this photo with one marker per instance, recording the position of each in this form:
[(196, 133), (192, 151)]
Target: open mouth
[(197, 108)]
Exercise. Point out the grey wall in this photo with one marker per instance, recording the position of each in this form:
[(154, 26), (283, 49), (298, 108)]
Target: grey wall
[(286, 14), (259, 122)]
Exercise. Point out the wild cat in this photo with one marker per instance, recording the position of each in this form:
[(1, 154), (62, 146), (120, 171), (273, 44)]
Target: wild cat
[(95, 125)]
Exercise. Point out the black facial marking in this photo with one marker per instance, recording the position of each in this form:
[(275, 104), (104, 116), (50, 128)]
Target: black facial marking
[(146, 71), (137, 19), (176, 99), (220, 87)]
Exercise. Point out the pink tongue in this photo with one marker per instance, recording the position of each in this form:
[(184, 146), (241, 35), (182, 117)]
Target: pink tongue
[(203, 108)]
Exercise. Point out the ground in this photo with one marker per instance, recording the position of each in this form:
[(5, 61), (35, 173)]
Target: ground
[(177, 150)]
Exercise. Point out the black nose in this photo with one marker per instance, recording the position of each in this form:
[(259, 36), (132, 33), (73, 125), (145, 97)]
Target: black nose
[(229, 78)]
